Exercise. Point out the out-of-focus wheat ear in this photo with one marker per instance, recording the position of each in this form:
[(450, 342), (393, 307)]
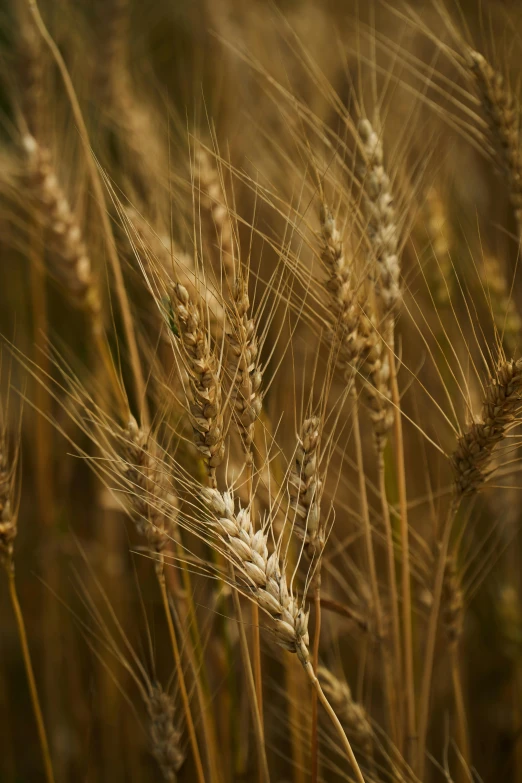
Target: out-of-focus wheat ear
[(352, 715), (112, 27), (68, 257), (31, 74), (8, 512), (381, 229), (243, 366), (213, 201), (165, 736), (206, 409), (453, 621), (8, 531), (501, 408), (508, 322), (503, 117), (101, 204), (452, 602), (439, 235), (67, 254)]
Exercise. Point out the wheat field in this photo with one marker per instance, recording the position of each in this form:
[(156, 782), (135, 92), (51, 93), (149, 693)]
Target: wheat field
[(261, 391)]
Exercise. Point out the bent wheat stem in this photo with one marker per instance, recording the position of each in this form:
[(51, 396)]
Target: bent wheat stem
[(335, 720)]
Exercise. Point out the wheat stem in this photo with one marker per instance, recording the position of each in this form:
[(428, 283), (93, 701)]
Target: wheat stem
[(44, 745), (251, 685), (315, 664), (406, 578), (335, 720), (460, 709), (429, 653), (370, 556), (181, 679), (392, 576)]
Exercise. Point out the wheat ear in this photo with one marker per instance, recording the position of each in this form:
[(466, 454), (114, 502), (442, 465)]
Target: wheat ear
[(305, 491), (243, 365), (382, 231), (353, 716), (502, 402), (470, 462), (268, 587), (361, 350), (99, 197), (502, 115), (152, 511), (342, 293), (214, 203), (452, 604), (165, 736), (70, 261), (204, 382)]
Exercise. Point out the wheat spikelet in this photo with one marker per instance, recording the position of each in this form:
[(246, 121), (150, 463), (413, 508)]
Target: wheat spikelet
[(68, 255), (249, 552), (502, 402), (503, 117), (381, 228), (164, 734), (352, 715), (152, 503), (243, 365), (204, 382), (376, 369), (341, 291), (305, 488), (213, 201)]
